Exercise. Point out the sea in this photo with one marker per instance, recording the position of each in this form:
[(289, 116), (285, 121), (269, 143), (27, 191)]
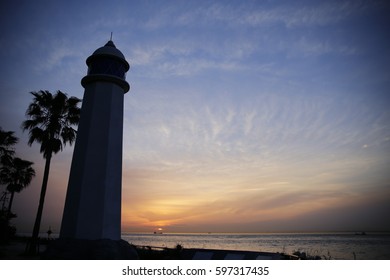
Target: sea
[(335, 246)]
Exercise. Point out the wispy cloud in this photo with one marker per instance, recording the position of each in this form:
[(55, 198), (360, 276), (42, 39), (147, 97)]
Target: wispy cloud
[(193, 52), (320, 13), (272, 201), (290, 14), (189, 57), (272, 134), (314, 47)]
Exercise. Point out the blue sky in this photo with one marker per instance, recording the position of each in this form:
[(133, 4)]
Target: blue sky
[(242, 115)]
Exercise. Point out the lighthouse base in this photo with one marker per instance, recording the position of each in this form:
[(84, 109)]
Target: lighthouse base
[(83, 249)]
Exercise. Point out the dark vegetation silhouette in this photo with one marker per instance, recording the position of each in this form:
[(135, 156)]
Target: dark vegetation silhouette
[(50, 122), (16, 174), (7, 141)]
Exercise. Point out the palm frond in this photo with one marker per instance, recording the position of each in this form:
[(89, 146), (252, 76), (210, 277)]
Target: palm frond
[(55, 146), (7, 138), (68, 135), (36, 135), (50, 119), (7, 141), (17, 174)]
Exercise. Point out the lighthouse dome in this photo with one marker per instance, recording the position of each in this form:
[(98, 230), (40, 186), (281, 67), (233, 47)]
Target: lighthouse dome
[(109, 49), (109, 64)]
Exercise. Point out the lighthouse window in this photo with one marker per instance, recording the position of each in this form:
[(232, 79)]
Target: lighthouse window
[(107, 66)]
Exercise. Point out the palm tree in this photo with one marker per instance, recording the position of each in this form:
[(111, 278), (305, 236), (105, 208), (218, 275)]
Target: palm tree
[(50, 121), (7, 140), (16, 176)]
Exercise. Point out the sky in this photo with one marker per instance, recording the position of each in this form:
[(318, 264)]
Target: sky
[(243, 116)]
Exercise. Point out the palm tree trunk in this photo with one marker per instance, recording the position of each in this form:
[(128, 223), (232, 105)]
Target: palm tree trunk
[(10, 205), (34, 239)]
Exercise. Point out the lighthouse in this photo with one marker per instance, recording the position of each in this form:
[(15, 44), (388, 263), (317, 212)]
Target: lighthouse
[(93, 200)]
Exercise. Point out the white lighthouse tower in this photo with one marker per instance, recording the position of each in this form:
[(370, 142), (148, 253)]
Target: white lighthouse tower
[(93, 200)]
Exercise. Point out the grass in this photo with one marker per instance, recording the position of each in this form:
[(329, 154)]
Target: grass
[(159, 253), (312, 255)]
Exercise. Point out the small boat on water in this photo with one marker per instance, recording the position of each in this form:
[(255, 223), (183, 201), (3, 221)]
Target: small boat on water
[(361, 233)]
